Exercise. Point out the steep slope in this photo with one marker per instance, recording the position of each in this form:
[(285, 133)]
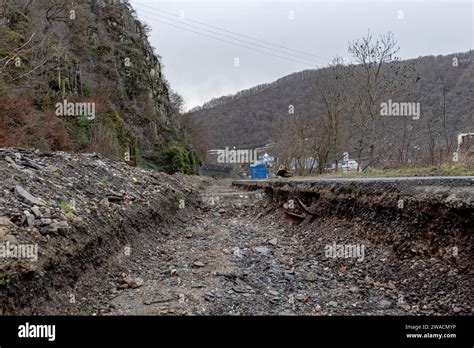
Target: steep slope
[(83, 211), (95, 52)]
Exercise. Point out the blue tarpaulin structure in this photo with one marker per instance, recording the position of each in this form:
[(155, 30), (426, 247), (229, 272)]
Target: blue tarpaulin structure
[(258, 171)]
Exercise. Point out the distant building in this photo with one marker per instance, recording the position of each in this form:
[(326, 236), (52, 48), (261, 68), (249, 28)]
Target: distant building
[(465, 150)]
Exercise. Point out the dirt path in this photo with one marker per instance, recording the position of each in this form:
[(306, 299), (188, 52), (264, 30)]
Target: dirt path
[(235, 255), (226, 261), (204, 272)]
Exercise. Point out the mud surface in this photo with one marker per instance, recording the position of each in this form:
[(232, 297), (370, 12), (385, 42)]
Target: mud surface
[(236, 254)]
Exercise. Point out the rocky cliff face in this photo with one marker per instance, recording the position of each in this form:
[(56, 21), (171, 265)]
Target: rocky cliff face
[(84, 77)]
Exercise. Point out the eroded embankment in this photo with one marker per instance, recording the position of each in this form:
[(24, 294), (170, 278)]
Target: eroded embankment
[(428, 217), (417, 236), (72, 214)]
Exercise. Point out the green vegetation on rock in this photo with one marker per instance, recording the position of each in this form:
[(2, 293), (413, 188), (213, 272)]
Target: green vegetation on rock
[(105, 59)]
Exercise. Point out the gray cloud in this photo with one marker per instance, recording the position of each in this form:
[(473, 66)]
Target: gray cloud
[(201, 68)]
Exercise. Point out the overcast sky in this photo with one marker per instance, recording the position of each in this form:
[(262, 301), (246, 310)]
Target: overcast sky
[(201, 68)]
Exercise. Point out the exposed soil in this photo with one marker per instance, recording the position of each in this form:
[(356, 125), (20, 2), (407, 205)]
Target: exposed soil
[(231, 251)]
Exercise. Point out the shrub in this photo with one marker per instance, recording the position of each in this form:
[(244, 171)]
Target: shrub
[(23, 126), (177, 158)]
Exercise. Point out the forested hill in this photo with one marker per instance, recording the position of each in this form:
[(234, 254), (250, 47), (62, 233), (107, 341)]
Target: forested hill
[(247, 118), (93, 57)]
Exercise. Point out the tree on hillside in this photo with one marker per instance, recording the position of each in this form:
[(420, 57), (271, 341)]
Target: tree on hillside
[(196, 133), (447, 141), (177, 102)]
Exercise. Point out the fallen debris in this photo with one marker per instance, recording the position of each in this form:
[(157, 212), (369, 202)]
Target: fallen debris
[(79, 210), (132, 282), (26, 196)]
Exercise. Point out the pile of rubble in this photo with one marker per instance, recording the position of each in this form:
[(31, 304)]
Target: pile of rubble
[(61, 213)]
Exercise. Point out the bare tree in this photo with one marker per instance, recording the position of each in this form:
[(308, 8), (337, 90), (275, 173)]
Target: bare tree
[(196, 132), (447, 141), (431, 142), (294, 142), (332, 87), (375, 76), (177, 102)]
